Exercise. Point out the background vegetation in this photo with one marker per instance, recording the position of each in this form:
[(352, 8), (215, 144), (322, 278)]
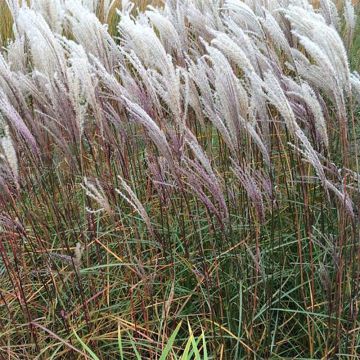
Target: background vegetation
[(182, 183)]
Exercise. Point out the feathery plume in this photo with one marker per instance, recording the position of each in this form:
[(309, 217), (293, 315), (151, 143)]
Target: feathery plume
[(167, 31), (9, 154), (251, 187), (275, 95), (97, 193), (330, 13), (52, 11), (275, 33), (153, 130), (350, 21), (133, 201), (208, 176), (244, 16), (13, 117)]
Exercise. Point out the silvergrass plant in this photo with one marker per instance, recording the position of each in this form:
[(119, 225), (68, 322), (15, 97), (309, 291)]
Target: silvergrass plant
[(194, 163)]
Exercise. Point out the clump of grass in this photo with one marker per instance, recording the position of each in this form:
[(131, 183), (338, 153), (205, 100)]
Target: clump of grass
[(180, 181)]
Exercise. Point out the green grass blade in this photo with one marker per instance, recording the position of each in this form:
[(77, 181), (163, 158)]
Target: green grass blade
[(85, 347), (120, 343), (170, 343)]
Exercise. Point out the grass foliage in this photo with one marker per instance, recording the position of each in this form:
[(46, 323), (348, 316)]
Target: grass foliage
[(179, 182)]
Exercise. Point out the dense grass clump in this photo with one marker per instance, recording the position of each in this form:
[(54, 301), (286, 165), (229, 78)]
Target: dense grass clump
[(180, 181)]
